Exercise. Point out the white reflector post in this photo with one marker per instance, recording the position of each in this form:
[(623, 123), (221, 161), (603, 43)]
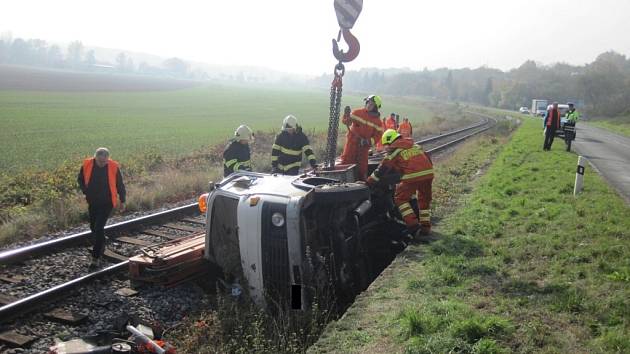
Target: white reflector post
[(579, 176)]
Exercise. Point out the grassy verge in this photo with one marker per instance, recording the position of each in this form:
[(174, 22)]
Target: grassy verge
[(620, 125), (522, 266)]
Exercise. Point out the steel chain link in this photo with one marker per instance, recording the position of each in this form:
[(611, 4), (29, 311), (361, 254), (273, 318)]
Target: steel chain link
[(333, 121)]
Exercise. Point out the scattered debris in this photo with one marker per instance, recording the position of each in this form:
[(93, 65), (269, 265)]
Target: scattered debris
[(16, 339), (126, 292), (64, 316)]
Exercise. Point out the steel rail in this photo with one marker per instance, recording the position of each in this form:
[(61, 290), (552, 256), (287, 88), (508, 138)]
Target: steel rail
[(23, 253), (31, 302), (451, 143), (437, 137)]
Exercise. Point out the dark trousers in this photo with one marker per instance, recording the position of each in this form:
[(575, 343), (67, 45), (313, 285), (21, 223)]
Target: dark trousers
[(550, 134), (98, 218)]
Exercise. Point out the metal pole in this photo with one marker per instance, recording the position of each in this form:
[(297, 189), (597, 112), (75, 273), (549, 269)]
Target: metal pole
[(579, 176)]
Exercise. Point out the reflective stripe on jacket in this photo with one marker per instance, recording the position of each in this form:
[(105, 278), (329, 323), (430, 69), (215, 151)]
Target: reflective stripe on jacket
[(408, 159), (364, 125), (112, 172), (287, 150), (236, 156)]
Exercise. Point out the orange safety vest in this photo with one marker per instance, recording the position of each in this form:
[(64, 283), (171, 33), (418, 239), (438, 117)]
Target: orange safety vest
[(553, 116), (405, 129), (390, 123), (112, 171)]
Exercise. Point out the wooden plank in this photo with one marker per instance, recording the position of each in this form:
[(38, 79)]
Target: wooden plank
[(64, 316), (160, 234), (126, 292), (14, 279), (7, 299), (15, 339), (195, 221), (112, 255), (134, 241), (183, 228)]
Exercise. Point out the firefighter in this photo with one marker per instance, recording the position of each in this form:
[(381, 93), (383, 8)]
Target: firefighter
[(405, 128), (101, 182), (390, 122), (552, 123), (416, 176), (364, 128), (287, 150), (236, 155)]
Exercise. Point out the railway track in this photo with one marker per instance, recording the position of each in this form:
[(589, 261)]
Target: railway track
[(78, 294)]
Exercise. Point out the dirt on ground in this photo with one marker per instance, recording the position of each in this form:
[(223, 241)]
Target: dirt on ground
[(40, 79)]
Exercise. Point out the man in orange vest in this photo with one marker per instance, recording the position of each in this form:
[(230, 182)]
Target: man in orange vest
[(405, 128), (415, 168), (364, 128), (552, 123), (101, 182)]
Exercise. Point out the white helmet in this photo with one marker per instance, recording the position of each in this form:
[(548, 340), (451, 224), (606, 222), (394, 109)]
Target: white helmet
[(289, 122), (243, 133)]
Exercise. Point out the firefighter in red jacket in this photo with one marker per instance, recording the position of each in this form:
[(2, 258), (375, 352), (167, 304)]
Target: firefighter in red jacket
[(364, 129), (416, 175)]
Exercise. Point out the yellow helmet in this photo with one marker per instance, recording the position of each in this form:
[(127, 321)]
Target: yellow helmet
[(389, 136), (374, 98)]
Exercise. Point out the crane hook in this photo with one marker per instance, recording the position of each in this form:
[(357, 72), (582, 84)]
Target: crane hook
[(353, 46)]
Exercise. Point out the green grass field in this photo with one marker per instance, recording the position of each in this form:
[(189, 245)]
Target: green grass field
[(618, 125), (523, 266), (40, 129)]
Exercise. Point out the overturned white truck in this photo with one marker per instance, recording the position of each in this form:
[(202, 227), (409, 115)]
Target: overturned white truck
[(289, 239)]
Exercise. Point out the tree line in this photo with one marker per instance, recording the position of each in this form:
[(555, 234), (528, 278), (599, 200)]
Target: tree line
[(37, 52), (601, 87)]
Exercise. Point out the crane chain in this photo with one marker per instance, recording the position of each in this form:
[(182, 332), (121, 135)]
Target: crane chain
[(333, 121)]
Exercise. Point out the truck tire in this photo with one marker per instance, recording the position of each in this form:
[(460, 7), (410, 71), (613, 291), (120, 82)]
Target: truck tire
[(339, 193)]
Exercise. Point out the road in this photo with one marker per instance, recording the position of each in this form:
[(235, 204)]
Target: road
[(609, 153)]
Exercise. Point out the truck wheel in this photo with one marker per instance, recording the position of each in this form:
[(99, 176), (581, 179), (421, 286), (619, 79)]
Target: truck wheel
[(337, 193)]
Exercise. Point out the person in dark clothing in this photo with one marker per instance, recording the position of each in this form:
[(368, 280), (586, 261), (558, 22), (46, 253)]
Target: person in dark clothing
[(101, 182), (236, 155), (287, 150), (552, 123)]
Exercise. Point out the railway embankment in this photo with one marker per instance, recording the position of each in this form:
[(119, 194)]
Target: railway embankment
[(519, 265)]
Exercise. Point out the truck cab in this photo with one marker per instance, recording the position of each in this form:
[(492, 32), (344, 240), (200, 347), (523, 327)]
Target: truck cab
[(285, 240)]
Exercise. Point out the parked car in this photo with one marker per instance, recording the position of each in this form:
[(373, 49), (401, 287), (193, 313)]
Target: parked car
[(524, 110)]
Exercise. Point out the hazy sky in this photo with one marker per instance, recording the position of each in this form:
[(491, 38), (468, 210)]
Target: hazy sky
[(295, 35)]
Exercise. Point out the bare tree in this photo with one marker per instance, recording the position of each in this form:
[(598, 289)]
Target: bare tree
[(75, 54), (90, 59)]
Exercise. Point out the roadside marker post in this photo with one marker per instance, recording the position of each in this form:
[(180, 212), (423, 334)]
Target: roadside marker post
[(579, 176)]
